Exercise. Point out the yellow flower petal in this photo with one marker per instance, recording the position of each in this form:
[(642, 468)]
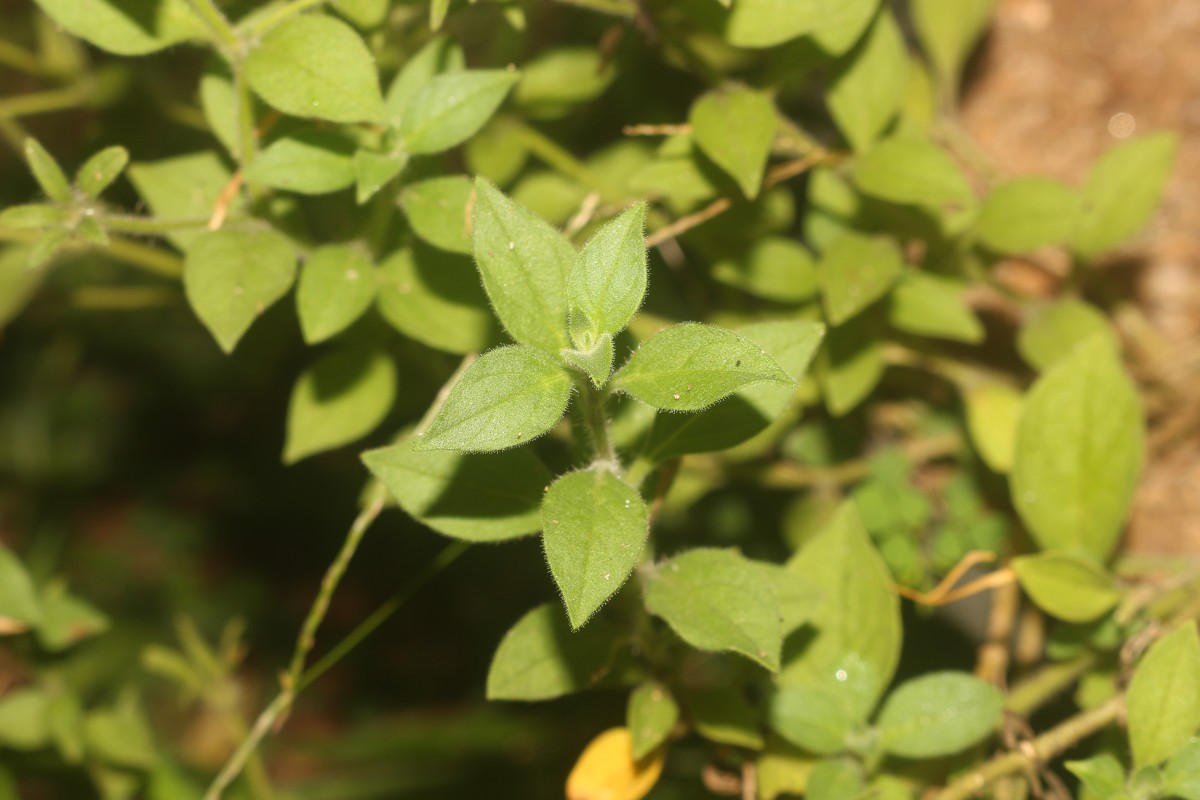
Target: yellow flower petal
[(606, 769)]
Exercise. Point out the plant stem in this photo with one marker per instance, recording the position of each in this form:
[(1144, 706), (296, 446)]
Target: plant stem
[(268, 21), (247, 131), (593, 401), (1043, 685), (223, 33), (27, 105), (1038, 751), (555, 156), (19, 58), (150, 226), (149, 259)]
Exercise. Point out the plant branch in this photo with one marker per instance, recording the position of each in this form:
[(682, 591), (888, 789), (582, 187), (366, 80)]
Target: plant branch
[(223, 33), (555, 156), (19, 58), (27, 105), (152, 226), (1044, 685), (593, 400)]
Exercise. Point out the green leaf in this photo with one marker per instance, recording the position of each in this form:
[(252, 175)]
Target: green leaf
[(184, 186), (507, 397), (120, 736), (99, 171), (18, 283), (650, 716), (930, 305), (939, 714), (1065, 585), (435, 298), (311, 162), (911, 170), (337, 285), (850, 365), (765, 23), (67, 619), (64, 717), (33, 217), (716, 600), (773, 268), (485, 497), (856, 271), (798, 598), (948, 32), (558, 79), (735, 129), (366, 14), (594, 527), (1122, 191), (856, 644), (441, 54), (782, 769), (869, 82), (47, 172), (230, 277), (607, 283), (1059, 329), (540, 658), (1023, 214), (1102, 775), (1162, 706), (127, 27), (690, 366), (43, 251), (340, 398), (497, 153), (1181, 775), (437, 13), (24, 723), (811, 718), (597, 362), (437, 210), (451, 107), (1079, 452), (373, 171), (524, 263), (749, 410), (724, 716), (316, 66), (20, 608), (835, 779), (218, 101), (993, 412)]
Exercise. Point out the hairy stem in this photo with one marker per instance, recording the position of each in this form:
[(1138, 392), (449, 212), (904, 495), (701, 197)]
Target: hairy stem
[(593, 401)]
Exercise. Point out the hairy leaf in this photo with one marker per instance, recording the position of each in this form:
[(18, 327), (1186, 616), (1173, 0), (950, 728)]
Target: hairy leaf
[(1163, 701), (101, 169), (651, 715), (540, 658), (451, 107), (608, 280)]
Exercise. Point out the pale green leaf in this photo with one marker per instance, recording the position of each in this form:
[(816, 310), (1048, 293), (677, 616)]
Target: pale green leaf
[(312, 162), (735, 128), (47, 172), (366, 14), (1162, 706), (798, 597), (507, 397), (127, 27), (481, 497), (337, 285), (64, 717), (183, 187), (316, 66), (724, 716), (451, 107), (868, 85), (101, 169), (993, 412), (437, 13), (1023, 214), (1122, 191), (911, 170), (596, 362), (435, 298), (855, 271), (593, 529), (834, 779), (716, 600), (43, 251), (441, 54), (231, 276), (948, 30), (607, 283), (20, 608), (650, 716), (1056, 331), (24, 719), (1102, 775), (218, 101), (340, 398), (437, 210), (33, 217), (1066, 585), (850, 365), (120, 736), (773, 268), (558, 79), (1079, 452), (497, 153), (765, 23), (91, 231), (67, 619), (524, 263), (782, 769), (690, 366), (811, 718), (540, 658), (930, 305), (18, 282), (939, 714), (1181, 775), (374, 170)]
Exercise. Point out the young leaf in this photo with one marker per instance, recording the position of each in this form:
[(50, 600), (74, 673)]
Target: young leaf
[(726, 717), (437, 210), (1181, 775), (907, 169), (556, 80), (1163, 701), (856, 271), (1065, 585), (316, 66), (993, 412), (524, 263), (596, 362), (67, 619), (608, 769), (651, 716), (339, 399), (311, 162), (1122, 191), (1058, 330), (1102, 775), (451, 107), (1079, 452), (856, 647), (939, 714), (690, 366), (540, 658), (773, 268), (593, 529), (509, 396), (184, 186), (231, 276), (834, 779), (868, 86), (24, 723), (735, 129), (948, 32), (850, 365), (1023, 214), (337, 285), (99, 171), (20, 608), (811, 718), (441, 54), (483, 497), (435, 298), (373, 171), (930, 305), (127, 27), (34, 216), (608, 280), (715, 600), (47, 172)]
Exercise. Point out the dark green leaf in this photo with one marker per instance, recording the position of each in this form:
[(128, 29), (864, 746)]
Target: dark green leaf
[(811, 718), (47, 172), (99, 171), (907, 169), (1163, 701), (337, 285), (340, 398), (608, 280), (867, 88), (1065, 585), (451, 107), (312, 162), (127, 27), (437, 210), (650, 716), (735, 129), (724, 716), (540, 658), (856, 271), (1023, 214), (930, 305)]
